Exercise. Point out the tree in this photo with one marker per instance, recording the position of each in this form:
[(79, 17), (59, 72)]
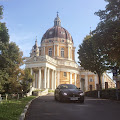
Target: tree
[(112, 11), (91, 58), (10, 61), (107, 33), (1, 11), (26, 79)]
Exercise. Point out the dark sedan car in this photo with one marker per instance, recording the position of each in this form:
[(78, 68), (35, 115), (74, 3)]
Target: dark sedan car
[(68, 92)]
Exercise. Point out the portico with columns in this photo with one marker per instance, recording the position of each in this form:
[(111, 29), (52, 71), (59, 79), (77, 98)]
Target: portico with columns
[(48, 72)]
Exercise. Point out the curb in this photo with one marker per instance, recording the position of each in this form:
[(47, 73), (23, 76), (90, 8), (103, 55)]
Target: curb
[(22, 116)]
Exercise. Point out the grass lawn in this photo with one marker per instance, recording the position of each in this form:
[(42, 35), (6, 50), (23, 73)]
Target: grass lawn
[(11, 109)]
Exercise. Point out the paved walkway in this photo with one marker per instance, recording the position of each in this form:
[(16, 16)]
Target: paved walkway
[(46, 108)]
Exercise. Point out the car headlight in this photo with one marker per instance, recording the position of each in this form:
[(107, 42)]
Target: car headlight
[(64, 93), (81, 94)]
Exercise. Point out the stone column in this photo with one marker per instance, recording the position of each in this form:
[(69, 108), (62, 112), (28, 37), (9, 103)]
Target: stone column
[(44, 50), (74, 55), (54, 50), (34, 80), (55, 80), (48, 78), (58, 82), (45, 78), (75, 78), (57, 50), (86, 82), (31, 71), (68, 52), (80, 81), (70, 78), (52, 79), (71, 52), (39, 79)]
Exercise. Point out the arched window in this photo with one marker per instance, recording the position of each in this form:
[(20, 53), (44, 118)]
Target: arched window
[(62, 52), (50, 52), (90, 80)]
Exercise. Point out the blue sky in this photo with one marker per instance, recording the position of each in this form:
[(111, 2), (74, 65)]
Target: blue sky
[(26, 19)]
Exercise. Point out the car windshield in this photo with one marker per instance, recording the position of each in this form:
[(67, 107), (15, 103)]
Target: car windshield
[(68, 87)]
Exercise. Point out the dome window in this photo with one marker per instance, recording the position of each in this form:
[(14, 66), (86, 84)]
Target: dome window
[(63, 41), (50, 32), (63, 33), (50, 40), (50, 52), (90, 80), (62, 52)]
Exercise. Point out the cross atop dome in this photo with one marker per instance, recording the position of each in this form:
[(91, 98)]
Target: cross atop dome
[(36, 39), (57, 14), (57, 21)]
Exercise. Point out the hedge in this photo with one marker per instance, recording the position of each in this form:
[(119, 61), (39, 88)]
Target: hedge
[(105, 94)]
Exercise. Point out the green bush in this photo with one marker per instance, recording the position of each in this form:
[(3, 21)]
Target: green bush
[(106, 94), (50, 90)]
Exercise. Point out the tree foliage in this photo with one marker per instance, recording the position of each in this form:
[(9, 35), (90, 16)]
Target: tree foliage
[(103, 48), (1, 11), (26, 80), (112, 11), (10, 61), (107, 33), (91, 58)]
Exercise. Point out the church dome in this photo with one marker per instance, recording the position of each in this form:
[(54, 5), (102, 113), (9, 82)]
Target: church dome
[(57, 31)]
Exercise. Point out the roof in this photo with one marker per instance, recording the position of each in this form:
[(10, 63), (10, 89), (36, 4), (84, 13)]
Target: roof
[(57, 31)]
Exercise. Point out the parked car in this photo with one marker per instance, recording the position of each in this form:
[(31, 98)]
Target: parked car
[(68, 92)]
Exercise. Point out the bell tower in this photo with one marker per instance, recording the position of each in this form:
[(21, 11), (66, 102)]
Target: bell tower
[(35, 50)]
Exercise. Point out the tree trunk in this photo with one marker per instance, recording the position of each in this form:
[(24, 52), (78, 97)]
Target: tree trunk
[(99, 77)]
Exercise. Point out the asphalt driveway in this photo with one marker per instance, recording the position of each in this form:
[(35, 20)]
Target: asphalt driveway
[(46, 108)]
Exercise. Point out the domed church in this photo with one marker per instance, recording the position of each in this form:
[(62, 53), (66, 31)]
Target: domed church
[(53, 62)]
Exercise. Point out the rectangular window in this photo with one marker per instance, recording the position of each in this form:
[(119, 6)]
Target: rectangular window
[(90, 80), (65, 74), (50, 40), (62, 40), (50, 53)]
